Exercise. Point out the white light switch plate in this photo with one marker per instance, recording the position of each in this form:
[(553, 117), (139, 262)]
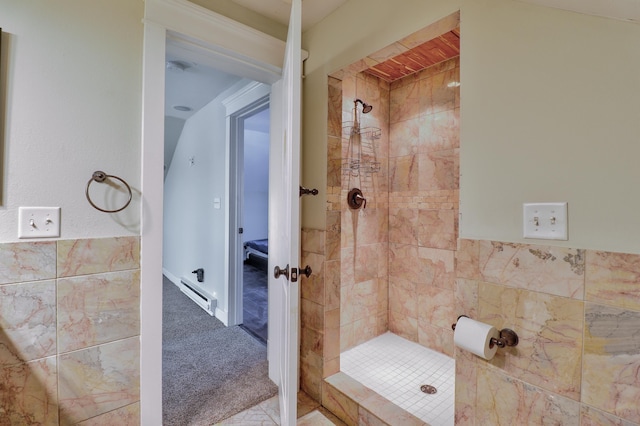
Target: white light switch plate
[(38, 222), (546, 221)]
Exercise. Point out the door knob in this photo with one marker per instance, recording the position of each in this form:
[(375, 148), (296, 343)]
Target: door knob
[(306, 271), (278, 272)]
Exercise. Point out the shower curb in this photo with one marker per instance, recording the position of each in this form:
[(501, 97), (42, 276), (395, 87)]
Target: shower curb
[(356, 404)]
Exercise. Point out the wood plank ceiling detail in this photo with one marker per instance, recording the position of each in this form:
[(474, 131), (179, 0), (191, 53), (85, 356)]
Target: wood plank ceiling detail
[(434, 51)]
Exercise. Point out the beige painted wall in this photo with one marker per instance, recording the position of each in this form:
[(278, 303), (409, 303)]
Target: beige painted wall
[(245, 16), (71, 106), (550, 112)]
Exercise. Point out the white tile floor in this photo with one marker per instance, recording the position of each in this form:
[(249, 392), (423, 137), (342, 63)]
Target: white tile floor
[(396, 368)]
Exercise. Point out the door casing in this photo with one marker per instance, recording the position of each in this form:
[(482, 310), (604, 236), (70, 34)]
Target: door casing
[(248, 53)]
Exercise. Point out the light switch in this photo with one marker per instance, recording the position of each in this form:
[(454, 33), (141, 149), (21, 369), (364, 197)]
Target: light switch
[(546, 221), (38, 222), (216, 203)]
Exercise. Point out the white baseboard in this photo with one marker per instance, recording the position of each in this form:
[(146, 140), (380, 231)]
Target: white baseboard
[(222, 315)]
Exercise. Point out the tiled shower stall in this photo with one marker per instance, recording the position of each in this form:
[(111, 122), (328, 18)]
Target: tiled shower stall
[(398, 265)]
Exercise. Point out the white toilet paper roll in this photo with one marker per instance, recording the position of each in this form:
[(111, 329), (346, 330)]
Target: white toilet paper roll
[(475, 337)]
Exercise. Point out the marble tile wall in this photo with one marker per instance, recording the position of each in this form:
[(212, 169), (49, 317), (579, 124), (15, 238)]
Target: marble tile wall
[(321, 249), (577, 313), (364, 283), (424, 140), (69, 332)]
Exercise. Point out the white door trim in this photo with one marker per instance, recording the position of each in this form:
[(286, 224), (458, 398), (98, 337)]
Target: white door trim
[(239, 105), (253, 53)]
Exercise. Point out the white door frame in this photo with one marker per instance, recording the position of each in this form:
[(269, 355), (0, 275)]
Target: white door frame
[(245, 51), (253, 98)]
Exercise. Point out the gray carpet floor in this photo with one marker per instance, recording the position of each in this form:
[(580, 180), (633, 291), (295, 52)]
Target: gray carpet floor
[(210, 372)]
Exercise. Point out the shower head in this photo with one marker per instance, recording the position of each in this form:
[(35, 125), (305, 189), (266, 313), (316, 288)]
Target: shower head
[(366, 108)]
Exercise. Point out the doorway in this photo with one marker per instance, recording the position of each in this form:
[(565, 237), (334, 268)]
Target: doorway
[(255, 57), (250, 135), (206, 353)]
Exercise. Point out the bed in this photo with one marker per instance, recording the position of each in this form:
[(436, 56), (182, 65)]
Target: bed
[(256, 248)]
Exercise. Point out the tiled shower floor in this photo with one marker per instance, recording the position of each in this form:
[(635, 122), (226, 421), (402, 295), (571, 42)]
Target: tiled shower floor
[(396, 368)]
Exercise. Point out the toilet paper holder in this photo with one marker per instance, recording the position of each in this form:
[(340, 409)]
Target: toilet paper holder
[(507, 337)]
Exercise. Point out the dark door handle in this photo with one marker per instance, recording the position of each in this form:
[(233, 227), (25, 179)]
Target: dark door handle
[(278, 272), (306, 271)]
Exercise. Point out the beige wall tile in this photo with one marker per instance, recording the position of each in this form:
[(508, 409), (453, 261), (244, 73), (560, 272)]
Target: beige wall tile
[(436, 93), (376, 407), (403, 225), (348, 386), (404, 102), (313, 240), (332, 284), (29, 393), (436, 338), (403, 325), (612, 360), (438, 228), (99, 379), (403, 297), (503, 400), (27, 322), (95, 309), (22, 262), (549, 353), (403, 174), (553, 270), (613, 278), (404, 138), (436, 306), (334, 107), (313, 287), (358, 300), (125, 416), (466, 388), (332, 237), (404, 261), (365, 329), (339, 404), (439, 170), (437, 267), (468, 259), (589, 416), (466, 295), (439, 131), (93, 256), (311, 315), (311, 373)]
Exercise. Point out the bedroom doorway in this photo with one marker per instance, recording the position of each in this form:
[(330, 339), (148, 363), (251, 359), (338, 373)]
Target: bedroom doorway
[(250, 135)]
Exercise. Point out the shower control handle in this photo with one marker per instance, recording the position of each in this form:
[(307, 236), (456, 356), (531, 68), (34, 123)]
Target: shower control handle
[(278, 272)]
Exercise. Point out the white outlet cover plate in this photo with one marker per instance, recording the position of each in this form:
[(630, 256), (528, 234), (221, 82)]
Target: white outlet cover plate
[(38, 222), (547, 221)]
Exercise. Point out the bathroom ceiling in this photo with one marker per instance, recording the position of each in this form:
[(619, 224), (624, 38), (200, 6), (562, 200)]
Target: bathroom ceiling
[(627, 10), (313, 11)]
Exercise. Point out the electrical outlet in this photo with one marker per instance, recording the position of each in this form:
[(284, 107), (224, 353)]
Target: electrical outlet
[(38, 222), (546, 221)]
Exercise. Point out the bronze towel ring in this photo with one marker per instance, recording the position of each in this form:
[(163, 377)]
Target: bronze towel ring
[(99, 176)]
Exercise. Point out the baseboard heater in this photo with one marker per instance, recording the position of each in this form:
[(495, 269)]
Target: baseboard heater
[(195, 293)]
